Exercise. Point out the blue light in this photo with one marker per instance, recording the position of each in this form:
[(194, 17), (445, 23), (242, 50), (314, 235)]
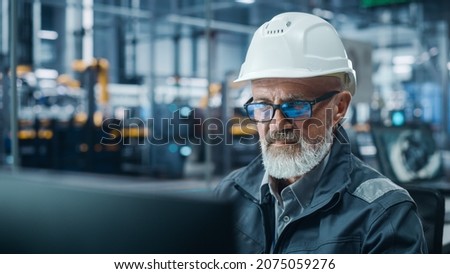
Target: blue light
[(398, 118), (185, 151), (185, 111), (173, 148)]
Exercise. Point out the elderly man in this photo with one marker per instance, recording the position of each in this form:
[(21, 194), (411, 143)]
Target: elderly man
[(308, 193)]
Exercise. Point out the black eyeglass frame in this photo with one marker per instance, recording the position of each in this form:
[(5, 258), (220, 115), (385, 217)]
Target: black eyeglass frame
[(278, 106)]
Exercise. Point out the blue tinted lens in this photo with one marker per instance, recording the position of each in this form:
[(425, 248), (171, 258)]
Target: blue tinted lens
[(260, 112), (296, 109)]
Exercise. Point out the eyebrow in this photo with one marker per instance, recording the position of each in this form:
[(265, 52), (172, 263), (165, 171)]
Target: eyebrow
[(289, 98), (295, 97), (261, 100)]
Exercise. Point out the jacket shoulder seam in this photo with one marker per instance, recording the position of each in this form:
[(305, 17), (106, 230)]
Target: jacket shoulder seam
[(372, 189)]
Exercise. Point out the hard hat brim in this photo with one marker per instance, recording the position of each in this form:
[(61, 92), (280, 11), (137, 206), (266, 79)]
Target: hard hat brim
[(297, 74)]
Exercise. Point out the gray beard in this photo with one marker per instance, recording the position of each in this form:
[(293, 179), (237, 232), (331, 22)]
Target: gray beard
[(296, 159)]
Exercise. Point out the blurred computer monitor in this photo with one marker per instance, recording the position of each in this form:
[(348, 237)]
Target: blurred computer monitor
[(50, 218)]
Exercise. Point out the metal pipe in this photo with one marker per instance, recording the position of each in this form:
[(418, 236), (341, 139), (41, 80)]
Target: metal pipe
[(208, 152), (209, 23), (4, 105), (172, 18), (36, 28), (124, 11), (88, 26), (148, 155), (443, 61), (4, 27), (13, 85)]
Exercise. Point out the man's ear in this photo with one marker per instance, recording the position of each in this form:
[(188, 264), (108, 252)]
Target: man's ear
[(342, 101)]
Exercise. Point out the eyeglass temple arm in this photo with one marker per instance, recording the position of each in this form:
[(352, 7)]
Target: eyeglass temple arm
[(323, 97), (249, 101)]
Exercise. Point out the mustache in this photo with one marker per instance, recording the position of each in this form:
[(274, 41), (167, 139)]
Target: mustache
[(286, 135)]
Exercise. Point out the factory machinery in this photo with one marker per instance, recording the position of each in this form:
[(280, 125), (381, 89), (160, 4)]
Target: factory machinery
[(87, 124), (60, 126)]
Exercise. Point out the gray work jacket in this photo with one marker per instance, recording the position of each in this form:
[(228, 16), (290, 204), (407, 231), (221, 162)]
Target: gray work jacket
[(354, 209)]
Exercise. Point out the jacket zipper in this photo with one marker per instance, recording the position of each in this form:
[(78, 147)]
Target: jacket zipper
[(267, 213)]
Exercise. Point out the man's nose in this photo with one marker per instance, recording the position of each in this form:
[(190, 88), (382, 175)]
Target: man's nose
[(280, 122)]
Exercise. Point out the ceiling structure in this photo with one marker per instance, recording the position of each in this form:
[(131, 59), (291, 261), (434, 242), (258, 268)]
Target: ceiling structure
[(387, 25), (411, 27)]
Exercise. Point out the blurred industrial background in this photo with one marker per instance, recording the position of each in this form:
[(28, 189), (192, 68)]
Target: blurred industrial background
[(144, 89)]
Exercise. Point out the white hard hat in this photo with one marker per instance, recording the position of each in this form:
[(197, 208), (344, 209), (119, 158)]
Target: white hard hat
[(296, 45)]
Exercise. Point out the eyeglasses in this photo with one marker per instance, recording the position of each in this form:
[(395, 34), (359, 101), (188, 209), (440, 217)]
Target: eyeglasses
[(298, 110)]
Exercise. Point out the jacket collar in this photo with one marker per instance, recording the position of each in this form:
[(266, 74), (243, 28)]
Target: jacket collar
[(251, 177)]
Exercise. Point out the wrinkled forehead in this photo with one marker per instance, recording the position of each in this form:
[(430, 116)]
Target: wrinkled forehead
[(311, 87)]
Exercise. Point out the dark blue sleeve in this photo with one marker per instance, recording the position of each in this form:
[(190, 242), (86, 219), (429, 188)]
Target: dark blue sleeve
[(398, 230)]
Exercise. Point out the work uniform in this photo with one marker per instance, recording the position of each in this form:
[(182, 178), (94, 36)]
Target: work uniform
[(349, 208)]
